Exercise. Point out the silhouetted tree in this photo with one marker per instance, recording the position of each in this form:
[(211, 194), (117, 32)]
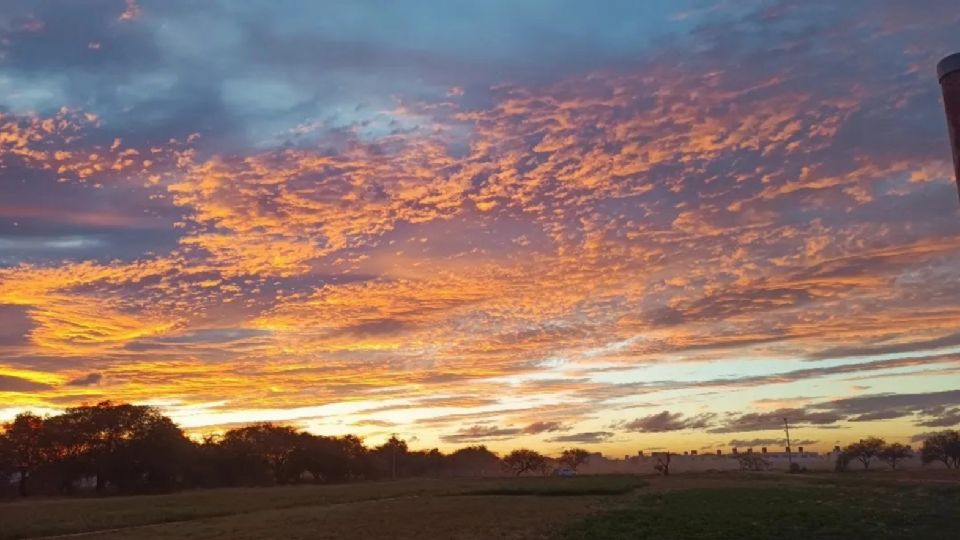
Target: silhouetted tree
[(7, 468), (25, 447), (327, 459), (391, 457), (159, 458), (523, 460), (265, 447), (423, 463), (663, 463), (67, 443), (121, 444), (865, 450), (894, 452), (474, 460), (843, 462), (361, 465), (943, 446), (573, 457)]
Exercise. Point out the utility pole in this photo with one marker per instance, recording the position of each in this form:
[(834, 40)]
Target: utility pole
[(786, 427)]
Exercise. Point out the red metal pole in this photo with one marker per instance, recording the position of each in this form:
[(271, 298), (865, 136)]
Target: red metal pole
[(948, 71)]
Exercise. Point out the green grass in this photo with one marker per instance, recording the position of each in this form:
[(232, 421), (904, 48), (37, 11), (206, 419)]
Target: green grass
[(874, 512), (560, 487)]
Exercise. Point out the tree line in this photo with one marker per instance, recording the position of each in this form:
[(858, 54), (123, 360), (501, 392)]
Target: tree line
[(943, 446), (123, 448)]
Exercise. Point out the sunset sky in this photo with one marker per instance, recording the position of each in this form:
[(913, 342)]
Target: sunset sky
[(623, 225)]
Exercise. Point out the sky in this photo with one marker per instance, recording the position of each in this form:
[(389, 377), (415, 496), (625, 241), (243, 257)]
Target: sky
[(545, 223)]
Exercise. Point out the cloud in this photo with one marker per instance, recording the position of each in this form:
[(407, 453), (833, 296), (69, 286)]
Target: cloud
[(734, 423), (590, 437), (544, 427), (667, 421), (920, 437), (16, 384), (89, 379), (941, 417), (856, 409), (948, 340), (479, 433)]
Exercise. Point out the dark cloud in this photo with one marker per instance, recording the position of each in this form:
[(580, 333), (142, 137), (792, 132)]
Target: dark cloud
[(879, 402), (77, 26), (730, 303), (941, 417), (666, 421), (810, 373), (208, 337), (612, 391), (590, 437), (949, 340), (14, 325), (920, 437), (87, 380), (16, 384), (478, 433), (734, 423), (879, 415), (856, 409), (544, 427), (485, 432)]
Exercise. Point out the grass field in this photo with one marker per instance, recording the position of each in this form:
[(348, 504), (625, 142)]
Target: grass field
[(709, 506), (793, 513)]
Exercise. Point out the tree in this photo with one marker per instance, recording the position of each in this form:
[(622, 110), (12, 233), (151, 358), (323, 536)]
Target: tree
[(942, 446), (523, 460), (266, 446), (392, 455), (26, 447), (68, 448), (892, 453), (107, 440), (663, 463), (360, 463), (472, 460), (574, 457), (423, 463), (843, 462), (865, 450), (156, 459), (7, 465), (325, 458)]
